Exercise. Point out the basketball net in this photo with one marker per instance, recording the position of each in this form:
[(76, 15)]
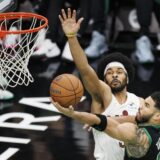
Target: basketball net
[(14, 59)]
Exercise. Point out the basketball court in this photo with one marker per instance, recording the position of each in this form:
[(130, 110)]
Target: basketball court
[(31, 127)]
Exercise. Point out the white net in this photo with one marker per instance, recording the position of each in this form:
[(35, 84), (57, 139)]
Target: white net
[(16, 49)]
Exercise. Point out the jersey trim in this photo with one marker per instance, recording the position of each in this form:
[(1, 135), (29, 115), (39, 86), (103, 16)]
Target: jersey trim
[(148, 135)]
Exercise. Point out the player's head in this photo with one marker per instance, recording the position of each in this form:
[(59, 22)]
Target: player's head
[(116, 70), (149, 110)]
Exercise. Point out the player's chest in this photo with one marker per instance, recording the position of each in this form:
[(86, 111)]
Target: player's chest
[(124, 109)]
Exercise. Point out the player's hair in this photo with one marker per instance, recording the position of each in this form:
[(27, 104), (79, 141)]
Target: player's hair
[(119, 57), (156, 98)]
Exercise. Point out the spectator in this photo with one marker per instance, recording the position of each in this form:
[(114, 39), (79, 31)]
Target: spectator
[(143, 51), (98, 43), (47, 40), (94, 10)]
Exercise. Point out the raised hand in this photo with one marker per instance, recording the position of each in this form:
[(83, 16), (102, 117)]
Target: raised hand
[(69, 24)]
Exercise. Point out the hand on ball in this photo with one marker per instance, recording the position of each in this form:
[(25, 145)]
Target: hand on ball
[(66, 111)]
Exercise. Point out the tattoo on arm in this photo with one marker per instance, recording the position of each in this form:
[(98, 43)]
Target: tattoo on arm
[(142, 144)]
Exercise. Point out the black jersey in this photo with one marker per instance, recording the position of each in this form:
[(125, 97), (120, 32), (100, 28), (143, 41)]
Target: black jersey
[(153, 133)]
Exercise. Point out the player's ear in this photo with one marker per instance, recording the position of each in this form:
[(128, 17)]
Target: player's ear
[(157, 117)]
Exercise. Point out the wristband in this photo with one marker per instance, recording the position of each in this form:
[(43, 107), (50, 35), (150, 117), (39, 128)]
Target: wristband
[(70, 35), (102, 125)]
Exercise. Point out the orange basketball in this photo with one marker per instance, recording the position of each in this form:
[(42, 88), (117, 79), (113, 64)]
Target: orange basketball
[(66, 89)]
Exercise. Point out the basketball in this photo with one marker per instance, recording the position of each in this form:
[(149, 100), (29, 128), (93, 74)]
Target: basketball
[(66, 89)]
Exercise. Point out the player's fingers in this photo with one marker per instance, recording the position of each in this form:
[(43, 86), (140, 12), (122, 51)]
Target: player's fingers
[(87, 127), (69, 13), (84, 126), (51, 100), (60, 18), (57, 105), (80, 21), (74, 14), (71, 108), (64, 14)]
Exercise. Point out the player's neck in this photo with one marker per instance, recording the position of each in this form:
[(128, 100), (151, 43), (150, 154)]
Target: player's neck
[(121, 96)]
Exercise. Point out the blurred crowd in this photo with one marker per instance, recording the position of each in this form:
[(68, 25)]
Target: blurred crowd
[(99, 23), (96, 15)]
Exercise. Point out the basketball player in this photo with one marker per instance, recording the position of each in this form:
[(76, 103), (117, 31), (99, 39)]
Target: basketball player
[(109, 93), (142, 142)]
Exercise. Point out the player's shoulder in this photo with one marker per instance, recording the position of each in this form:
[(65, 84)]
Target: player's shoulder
[(132, 95)]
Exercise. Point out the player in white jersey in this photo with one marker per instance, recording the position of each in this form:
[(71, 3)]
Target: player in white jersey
[(106, 147), (109, 91)]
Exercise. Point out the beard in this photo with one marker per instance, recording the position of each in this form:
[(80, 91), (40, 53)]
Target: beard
[(118, 88), (143, 119)]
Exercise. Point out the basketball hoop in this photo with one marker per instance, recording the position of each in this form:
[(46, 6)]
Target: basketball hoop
[(14, 59)]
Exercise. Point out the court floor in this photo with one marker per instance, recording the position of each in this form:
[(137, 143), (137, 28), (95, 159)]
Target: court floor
[(32, 129)]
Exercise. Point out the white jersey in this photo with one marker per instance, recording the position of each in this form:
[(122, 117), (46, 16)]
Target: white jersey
[(107, 148)]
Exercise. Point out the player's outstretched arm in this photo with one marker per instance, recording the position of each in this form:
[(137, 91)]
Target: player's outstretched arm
[(90, 79), (129, 133), (107, 124), (82, 117)]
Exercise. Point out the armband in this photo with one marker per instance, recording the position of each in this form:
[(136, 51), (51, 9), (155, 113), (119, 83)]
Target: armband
[(103, 123)]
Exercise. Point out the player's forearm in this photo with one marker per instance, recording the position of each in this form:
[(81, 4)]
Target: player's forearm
[(108, 125), (101, 123), (115, 129), (112, 128), (123, 119), (85, 117), (89, 76), (78, 54)]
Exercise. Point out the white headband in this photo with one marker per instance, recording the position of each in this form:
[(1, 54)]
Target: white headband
[(114, 64)]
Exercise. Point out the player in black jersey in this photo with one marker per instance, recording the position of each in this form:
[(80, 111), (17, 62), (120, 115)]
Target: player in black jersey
[(141, 137)]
